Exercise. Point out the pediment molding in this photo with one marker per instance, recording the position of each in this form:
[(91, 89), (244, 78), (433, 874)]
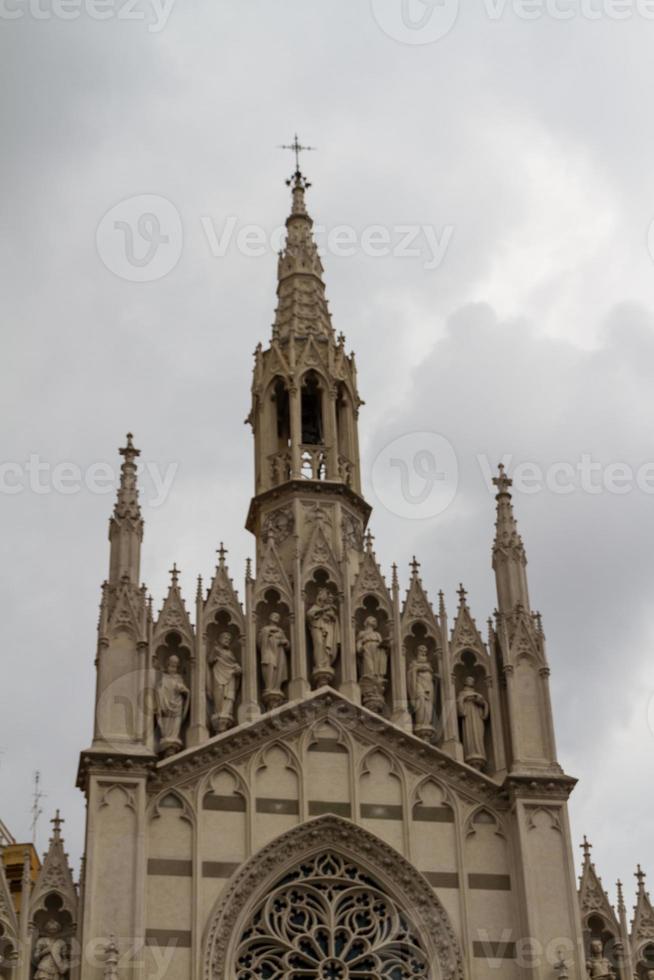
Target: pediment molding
[(292, 720)]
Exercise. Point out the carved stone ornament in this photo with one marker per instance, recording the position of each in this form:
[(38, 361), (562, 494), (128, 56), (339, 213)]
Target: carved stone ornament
[(352, 531), (278, 525), (329, 900)]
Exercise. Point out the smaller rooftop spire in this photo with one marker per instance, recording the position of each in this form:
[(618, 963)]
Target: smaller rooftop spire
[(640, 876), (174, 575), (462, 594), (56, 822), (127, 502), (621, 905), (414, 564), (369, 540), (222, 553)]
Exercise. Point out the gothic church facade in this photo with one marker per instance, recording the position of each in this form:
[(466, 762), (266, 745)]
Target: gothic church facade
[(330, 778)]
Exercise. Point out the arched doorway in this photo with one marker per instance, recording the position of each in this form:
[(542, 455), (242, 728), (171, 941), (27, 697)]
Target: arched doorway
[(329, 901)]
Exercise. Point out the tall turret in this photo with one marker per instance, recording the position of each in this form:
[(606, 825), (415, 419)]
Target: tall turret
[(307, 513)]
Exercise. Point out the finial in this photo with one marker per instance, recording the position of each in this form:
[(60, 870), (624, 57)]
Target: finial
[(394, 580), (586, 847), (462, 594), (414, 565), (56, 823), (297, 148), (174, 574), (621, 905), (502, 481), (222, 551), (369, 541), (248, 569), (639, 875), (198, 591), (129, 449)]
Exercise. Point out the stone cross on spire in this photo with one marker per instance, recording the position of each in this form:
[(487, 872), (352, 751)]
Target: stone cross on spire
[(296, 148), (586, 847), (639, 875)]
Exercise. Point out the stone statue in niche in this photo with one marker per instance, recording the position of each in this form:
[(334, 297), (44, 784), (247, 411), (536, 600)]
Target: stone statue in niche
[(598, 966), (172, 703), (322, 618), (51, 953), (223, 681), (374, 664), (273, 644), (422, 693), (473, 710)]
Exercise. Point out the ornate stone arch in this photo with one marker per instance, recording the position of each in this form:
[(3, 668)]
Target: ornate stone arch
[(420, 916)]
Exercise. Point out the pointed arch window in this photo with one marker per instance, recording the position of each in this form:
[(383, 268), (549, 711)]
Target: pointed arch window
[(329, 920), (312, 420)]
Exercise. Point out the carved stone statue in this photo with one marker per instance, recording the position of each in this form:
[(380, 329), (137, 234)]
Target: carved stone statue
[(322, 618), (598, 966), (374, 664), (223, 682), (51, 954), (172, 704), (422, 693), (273, 644), (473, 710)]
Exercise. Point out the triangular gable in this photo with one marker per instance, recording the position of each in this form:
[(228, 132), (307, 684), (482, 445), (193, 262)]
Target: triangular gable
[(593, 900), (295, 717), (126, 609), (277, 363), (174, 616), (311, 357), (642, 929), (55, 876), (222, 595), (319, 554), (465, 635), (271, 575), (418, 609), (370, 581)]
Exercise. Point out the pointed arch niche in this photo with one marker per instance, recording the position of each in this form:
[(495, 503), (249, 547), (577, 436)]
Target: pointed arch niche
[(329, 899)]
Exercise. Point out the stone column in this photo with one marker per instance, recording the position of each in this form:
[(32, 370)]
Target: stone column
[(299, 685), (295, 410), (249, 708), (451, 741), (331, 432), (198, 730), (349, 685), (400, 715)]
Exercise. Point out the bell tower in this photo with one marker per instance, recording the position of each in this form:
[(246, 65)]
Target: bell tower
[(307, 509)]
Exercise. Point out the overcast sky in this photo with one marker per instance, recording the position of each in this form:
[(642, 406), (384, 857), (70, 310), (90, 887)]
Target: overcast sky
[(518, 152)]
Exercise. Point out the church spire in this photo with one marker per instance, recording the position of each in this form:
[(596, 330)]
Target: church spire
[(509, 557), (301, 304), (126, 524)]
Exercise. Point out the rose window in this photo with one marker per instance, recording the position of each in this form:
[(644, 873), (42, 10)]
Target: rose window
[(327, 920)]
